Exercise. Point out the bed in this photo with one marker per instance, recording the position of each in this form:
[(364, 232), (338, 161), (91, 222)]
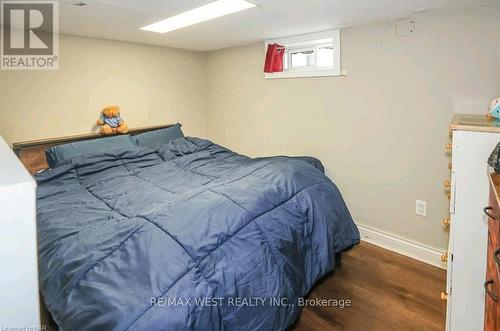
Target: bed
[(186, 236)]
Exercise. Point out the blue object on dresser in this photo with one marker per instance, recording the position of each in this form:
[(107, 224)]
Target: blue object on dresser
[(138, 239), (495, 111)]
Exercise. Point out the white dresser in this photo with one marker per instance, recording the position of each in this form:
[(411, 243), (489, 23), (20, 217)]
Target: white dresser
[(473, 139), (19, 305)]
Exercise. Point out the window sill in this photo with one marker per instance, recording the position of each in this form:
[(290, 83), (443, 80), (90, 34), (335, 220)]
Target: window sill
[(305, 74)]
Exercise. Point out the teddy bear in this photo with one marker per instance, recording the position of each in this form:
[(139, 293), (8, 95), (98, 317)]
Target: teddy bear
[(111, 122)]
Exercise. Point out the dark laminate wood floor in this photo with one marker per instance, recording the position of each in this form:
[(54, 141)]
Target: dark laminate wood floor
[(388, 292)]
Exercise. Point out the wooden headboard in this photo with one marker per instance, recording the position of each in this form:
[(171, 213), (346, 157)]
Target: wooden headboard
[(32, 153)]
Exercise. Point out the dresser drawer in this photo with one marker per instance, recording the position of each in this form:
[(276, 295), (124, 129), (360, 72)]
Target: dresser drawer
[(492, 283), (492, 288), (493, 210)]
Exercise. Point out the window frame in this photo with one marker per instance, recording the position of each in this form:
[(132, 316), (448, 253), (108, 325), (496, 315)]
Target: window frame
[(307, 41)]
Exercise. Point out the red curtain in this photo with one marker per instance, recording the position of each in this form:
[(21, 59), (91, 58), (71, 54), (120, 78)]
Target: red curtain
[(274, 58)]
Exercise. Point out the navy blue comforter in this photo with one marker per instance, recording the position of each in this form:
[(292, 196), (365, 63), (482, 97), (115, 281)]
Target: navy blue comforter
[(188, 237)]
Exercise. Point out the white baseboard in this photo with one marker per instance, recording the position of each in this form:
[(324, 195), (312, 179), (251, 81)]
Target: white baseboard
[(401, 246)]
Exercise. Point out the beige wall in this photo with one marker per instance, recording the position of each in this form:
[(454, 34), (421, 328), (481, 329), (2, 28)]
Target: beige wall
[(381, 130), (152, 85)]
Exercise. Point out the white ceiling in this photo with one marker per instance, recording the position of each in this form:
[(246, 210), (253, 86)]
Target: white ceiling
[(121, 19)]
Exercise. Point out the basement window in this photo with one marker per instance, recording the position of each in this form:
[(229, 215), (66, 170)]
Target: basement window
[(311, 55)]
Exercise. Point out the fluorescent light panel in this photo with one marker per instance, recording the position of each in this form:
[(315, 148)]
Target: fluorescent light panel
[(200, 14)]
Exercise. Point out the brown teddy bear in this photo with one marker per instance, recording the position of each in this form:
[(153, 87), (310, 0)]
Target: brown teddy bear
[(111, 122)]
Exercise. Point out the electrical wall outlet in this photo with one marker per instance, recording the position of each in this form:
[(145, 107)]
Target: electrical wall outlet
[(421, 208)]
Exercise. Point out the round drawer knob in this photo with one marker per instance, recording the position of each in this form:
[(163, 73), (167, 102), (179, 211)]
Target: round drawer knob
[(444, 296), (446, 222), (447, 184), (448, 147), (444, 258)]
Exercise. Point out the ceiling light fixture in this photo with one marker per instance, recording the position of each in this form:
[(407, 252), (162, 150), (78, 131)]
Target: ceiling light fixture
[(200, 14)]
